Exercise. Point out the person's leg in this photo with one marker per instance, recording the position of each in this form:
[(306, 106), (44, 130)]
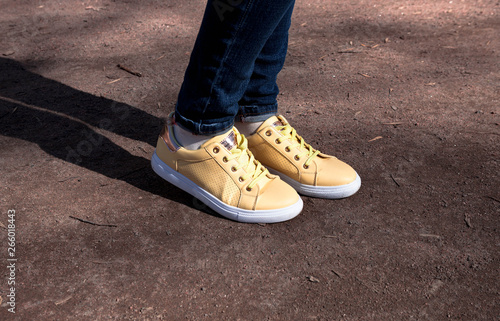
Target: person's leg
[(259, 100), (275, 143), (219, 169), (233, 34)]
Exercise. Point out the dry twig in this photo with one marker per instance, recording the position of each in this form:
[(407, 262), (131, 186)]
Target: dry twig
[(92, 223), (395, 181), (135, 73), (376, 138)]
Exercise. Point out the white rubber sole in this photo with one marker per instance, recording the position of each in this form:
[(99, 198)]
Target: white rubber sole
[(329, 192), (228, 211)]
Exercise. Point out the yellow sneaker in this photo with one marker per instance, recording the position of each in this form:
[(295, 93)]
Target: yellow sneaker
[(278, 147), (225, 176)]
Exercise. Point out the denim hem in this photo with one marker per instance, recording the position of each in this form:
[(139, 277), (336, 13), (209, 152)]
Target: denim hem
[(198, 128), (253, 113)]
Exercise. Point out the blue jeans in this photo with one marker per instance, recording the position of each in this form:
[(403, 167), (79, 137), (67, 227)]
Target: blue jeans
[(240, 49)]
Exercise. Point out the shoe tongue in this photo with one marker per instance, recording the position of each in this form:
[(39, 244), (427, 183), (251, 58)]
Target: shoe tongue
[(229, 142), (274, 121)]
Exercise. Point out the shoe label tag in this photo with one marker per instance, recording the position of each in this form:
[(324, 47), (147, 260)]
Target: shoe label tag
[(229, 142)]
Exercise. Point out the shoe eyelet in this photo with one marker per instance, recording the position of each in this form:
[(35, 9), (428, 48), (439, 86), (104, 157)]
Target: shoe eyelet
[(248, 189), (233, 169), (224, 159), (305, 166), (296, 157), (277, 141), (269, 133), (287, 149), (216, 150), (241, 179)]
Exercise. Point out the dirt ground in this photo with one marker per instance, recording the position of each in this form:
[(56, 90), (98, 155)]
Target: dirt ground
[(408, 92)]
